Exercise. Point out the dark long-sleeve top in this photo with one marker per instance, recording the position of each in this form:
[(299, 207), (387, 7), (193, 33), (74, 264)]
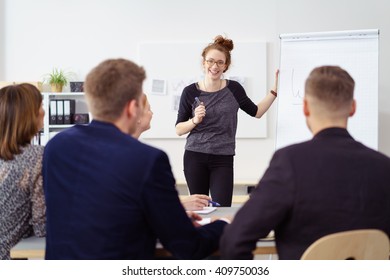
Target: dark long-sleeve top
[(110, 196), (216, 134), (22, 203)]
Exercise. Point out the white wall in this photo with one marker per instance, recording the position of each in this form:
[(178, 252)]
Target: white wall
[(2, 38), (76, 35)]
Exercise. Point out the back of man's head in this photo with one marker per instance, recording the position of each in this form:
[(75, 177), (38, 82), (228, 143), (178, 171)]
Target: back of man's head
[(111, 85), (330, 89)]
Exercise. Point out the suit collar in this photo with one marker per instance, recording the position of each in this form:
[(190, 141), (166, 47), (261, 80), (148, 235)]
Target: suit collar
[(102, 124), (332, 132)]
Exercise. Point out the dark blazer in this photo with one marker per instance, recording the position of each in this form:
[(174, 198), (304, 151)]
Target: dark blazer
[(329, 184), (110, 196)]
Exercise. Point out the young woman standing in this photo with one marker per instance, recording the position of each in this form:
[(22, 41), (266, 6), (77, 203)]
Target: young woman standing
[(208, 112)]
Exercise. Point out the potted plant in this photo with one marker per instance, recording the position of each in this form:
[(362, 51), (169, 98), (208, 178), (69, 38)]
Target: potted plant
[(57, 79)]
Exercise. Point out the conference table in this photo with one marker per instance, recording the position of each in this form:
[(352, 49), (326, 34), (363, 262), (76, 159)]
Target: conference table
[(34, 247)]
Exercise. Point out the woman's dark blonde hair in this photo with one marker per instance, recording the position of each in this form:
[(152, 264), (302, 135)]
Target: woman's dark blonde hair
[(19, 111), (221, 44)]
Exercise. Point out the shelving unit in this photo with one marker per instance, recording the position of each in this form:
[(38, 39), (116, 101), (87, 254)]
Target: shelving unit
[(49, 130)]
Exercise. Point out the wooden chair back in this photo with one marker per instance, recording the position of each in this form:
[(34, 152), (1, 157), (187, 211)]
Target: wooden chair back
[(365, 244)]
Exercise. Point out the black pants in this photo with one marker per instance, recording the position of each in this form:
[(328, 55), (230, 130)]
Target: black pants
[(210, 175)]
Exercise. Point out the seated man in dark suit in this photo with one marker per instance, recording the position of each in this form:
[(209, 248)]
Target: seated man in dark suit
[(329, 184), (108, 195)]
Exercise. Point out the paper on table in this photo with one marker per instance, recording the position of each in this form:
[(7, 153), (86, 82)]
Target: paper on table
[(204, 221), (206, 210)]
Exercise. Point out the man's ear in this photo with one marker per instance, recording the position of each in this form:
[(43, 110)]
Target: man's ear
[(306, 110), (353, 108), (132, 109)]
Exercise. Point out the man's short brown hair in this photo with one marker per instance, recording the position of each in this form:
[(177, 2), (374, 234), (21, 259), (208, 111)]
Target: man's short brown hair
[(110, 85), (331, 85)]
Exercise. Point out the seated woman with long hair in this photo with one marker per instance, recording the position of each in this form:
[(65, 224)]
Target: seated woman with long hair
[(22, 204)]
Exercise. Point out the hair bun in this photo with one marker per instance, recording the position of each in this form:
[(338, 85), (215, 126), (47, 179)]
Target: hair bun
[(227, 43)]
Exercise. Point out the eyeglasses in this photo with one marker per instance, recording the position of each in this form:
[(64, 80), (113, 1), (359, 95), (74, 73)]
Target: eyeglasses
[(211, 62)]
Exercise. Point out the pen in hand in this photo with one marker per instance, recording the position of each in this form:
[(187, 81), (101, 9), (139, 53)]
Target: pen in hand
[(197, 101), (199, 111), (214, 204)]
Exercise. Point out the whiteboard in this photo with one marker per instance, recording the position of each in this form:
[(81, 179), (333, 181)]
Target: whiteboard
[(172, 66), (356, 52)]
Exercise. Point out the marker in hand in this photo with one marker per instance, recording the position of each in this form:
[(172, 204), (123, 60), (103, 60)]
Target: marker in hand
[(197, 101), (199, 112), (214, 204)]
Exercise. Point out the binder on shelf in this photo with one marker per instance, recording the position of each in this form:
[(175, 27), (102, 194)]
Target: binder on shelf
[(69, 110), (60, 111), (53, 112)]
